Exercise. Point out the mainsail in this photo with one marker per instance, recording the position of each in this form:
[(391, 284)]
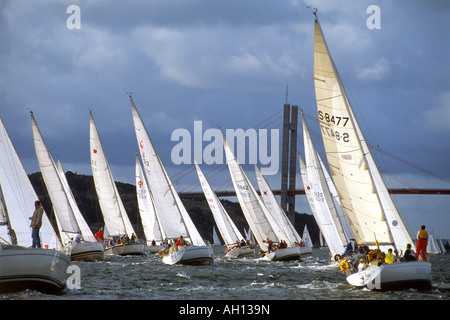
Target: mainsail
[(261, 222), (292, 236), (65, 218), (171, 213), (20, 196), (147, 210), (320, 197), (227, 229), (114, 214), (369, 208)]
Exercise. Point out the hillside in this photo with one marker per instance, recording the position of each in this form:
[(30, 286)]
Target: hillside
[(84, 191)]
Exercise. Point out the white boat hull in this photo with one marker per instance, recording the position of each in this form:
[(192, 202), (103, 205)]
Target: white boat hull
[(22, 268), (397, 276), (241, 252), (126, 249), (191, 255), (154, 248), (286, 254), (86, 251)]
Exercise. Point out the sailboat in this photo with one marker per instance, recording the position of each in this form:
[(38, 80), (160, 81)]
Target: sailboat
[(172, 216), (320, 198), (147, 211), (269, 235), (306, 237), (293, 239), (372, 215), (118, 225), (231, 235), (22, 267), (432, 245), (69, 218)]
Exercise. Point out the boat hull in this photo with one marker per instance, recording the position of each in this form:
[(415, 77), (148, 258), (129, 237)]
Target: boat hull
[(397, 276), (154, 248), (241, 252), (44, 270), (87, 251), (286, 254), (126, 249), (191, 255)]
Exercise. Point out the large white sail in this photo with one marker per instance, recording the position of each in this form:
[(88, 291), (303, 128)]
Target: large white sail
[(171, 213), (146, 206), (363, 195), (275, 209), (319, 196), (20, 196), (116, 219), (67, 224), (344, 153), (256, 213), (82, 224), (227, 229)]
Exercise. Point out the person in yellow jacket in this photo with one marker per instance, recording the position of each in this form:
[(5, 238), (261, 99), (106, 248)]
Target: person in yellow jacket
[(422, 239), (390, 258)]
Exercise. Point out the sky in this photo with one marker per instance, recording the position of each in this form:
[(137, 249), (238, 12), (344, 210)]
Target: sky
[(230, 65)]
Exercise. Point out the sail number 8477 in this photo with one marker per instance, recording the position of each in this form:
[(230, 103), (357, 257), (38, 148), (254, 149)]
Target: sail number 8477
[(337, 121)]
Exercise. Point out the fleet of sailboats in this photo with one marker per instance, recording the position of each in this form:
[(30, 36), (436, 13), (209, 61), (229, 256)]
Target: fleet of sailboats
[(352, 202)]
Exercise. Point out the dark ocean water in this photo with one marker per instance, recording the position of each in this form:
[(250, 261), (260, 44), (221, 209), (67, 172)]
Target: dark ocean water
[(147, 278)]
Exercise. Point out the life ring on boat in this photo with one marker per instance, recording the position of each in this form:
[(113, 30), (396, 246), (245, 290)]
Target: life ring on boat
[(337, 257), (344, 265)]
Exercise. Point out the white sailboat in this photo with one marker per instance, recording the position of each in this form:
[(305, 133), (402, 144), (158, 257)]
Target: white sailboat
[(373, 218), (22, 267), (231, 236), (69, 219), (293, 238), (432, 245), (306, 237), (320, 198), (118, 225), (147, 211), (267, 232), (173, 218)]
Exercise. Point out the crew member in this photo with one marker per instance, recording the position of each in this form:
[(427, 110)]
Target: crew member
[(422, 239)]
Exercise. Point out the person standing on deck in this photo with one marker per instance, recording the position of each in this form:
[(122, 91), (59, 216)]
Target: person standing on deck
[(422, 239), (36, 223)]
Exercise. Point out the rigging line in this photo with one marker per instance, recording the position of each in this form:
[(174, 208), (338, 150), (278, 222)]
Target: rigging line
[(190, 168), (381, 150), (177, 176)]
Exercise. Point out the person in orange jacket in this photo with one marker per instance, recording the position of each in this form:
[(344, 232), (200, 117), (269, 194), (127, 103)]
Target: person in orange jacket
[(422, 239)]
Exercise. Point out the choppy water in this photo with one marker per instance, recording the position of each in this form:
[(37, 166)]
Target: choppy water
[(146, 277)]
